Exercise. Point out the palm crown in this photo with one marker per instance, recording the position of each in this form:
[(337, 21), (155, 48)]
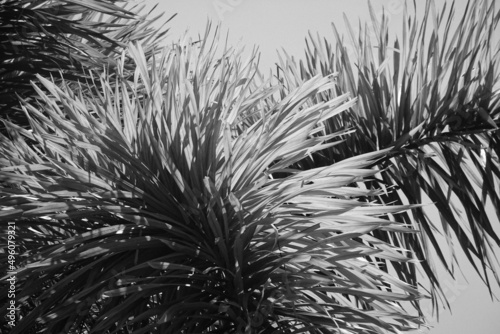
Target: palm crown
[(179, 191)]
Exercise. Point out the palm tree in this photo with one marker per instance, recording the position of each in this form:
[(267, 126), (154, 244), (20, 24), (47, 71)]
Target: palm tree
[(182, 192)]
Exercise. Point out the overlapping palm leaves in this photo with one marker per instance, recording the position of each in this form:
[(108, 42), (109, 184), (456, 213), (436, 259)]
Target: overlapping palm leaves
[(149, 205), (433, 95), (47, 37), (181, 194)]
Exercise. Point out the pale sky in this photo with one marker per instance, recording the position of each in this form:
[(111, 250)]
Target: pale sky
[(276, 24)]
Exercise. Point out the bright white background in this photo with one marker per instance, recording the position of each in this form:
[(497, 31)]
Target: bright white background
[(276, 24)]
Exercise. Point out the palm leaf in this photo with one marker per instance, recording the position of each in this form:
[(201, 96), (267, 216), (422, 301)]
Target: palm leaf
[(154, 204), (69, 37), (431, 93)]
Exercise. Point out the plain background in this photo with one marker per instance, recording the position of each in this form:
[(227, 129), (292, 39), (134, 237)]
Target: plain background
[(274, 24)]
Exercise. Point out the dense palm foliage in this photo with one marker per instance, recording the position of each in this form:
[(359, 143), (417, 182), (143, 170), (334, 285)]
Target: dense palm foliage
[(432, 95), (47, 37), (179, 191)]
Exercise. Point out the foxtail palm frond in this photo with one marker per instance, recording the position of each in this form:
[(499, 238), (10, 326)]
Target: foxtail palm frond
[(69, 37), (155, 204), (432, 94)]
